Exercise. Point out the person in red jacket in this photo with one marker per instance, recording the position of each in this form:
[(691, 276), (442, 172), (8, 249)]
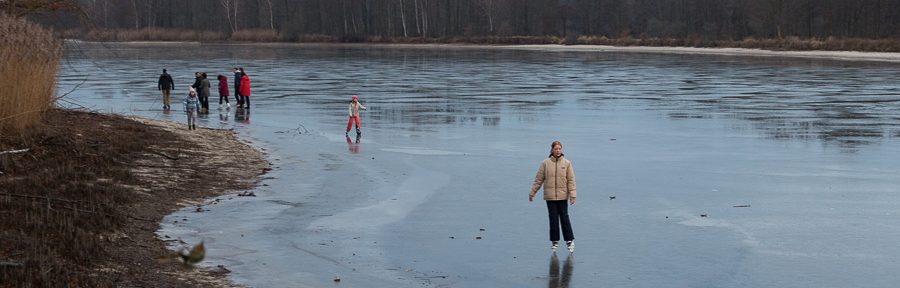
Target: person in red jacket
[(245, 88), (223, 91)]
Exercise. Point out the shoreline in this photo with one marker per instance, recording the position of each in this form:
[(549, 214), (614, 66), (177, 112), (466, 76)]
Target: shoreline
[(208, 141), (116, 177), (888, 57)]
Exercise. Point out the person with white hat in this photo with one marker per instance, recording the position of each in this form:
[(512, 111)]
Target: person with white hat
[(191, 106)]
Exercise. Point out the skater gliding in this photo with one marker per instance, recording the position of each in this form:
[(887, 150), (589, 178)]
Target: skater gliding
[(354, 114)]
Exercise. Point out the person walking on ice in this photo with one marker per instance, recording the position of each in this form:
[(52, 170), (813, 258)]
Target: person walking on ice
[(165, 85), (223, 91), (191, 106), (354, 114), (558, 179)]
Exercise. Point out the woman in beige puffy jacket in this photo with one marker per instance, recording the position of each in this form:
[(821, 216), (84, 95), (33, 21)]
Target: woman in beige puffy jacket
[(558, 179)]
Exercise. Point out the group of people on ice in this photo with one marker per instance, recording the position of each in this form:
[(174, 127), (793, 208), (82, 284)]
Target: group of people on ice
[(197, 100)]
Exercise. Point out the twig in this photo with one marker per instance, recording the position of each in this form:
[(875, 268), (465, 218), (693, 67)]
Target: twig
[(164, 155), (73, 208), (39, 197), (15, 151), (298, 130), (60, 97), (11, 263)]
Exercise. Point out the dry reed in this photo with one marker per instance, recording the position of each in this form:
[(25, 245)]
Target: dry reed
[(153, 34), (255, 35), (29, 59)]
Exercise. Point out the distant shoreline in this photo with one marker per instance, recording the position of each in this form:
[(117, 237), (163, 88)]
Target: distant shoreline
[(889, 57)]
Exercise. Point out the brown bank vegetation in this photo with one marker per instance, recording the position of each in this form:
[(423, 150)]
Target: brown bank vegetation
[(81, 205)]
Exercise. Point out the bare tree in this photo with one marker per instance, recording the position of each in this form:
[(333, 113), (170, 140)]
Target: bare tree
[(230, 5), (271, 15), (403, 19), (137, 18), (416, 10), (487, 6), (149, 13)]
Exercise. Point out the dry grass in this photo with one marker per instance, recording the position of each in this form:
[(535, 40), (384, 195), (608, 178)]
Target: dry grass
[(59, 210), (266, 35), (153, 34), (255, 35), (81, 207), (29, 59)]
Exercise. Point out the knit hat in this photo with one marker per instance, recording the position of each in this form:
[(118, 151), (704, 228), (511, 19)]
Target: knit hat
[(191, 90), (355, 97)]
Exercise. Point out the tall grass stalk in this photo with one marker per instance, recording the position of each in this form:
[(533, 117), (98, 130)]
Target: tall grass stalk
[(29, 59)]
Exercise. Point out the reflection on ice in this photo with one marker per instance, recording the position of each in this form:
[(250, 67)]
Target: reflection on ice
[(554, 278)]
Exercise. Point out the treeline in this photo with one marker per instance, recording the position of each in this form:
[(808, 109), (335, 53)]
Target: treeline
[(727, 20)]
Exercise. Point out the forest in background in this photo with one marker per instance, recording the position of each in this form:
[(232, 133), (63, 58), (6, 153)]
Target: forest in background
[(627, 22)]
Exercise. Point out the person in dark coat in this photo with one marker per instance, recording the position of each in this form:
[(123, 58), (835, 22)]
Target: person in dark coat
[(223, 91), (237, 86), (204, 92), (197, 79), (165, 85)]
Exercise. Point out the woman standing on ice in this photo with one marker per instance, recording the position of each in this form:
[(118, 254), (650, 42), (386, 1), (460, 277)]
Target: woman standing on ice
[(558, 179)]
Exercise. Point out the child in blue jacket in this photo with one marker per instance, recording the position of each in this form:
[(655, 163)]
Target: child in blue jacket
[(191, 106)]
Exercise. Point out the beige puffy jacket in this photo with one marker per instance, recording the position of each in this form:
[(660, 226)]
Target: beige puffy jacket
[(557, 177)]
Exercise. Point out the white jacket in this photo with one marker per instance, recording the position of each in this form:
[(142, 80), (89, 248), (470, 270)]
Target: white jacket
[(354, 109)]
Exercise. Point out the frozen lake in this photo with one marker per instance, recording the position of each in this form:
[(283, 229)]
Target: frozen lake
[(453, 137)]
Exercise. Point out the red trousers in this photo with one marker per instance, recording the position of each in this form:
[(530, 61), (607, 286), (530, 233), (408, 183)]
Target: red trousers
[(350, 122)]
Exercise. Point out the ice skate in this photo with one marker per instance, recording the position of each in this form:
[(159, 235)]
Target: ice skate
[(571, 246), (554, 245)]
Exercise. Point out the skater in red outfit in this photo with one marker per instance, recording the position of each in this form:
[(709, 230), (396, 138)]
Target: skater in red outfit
[(354, 114)]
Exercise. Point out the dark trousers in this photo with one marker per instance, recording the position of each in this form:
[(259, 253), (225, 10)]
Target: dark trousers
[(204, 102), (221, 98), (245, 100), (559, 213)]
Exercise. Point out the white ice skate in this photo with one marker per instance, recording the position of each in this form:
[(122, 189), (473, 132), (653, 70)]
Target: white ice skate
[(571, 246)]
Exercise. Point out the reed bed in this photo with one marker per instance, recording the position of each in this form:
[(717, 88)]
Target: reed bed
[(152, 34), (255, 35), (693, 40), (29, 59)]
